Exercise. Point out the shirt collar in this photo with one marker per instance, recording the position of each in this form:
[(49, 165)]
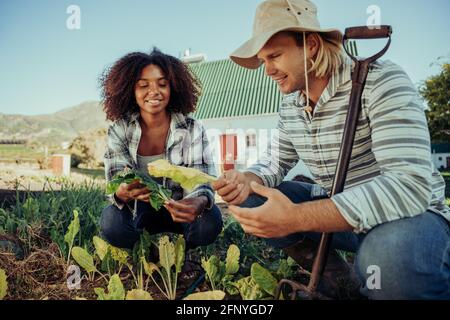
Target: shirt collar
[(338, 78)]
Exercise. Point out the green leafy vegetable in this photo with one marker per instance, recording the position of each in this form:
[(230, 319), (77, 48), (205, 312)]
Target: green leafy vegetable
[(188, 178), (212, 267), (232, 261), (220, 274), (158, 194), (264, 278), (72, 230), (101, 247), (171, 258), (206, 295), (249, 289), (3, 284), (138, 294), (116, 290), (84, 259)]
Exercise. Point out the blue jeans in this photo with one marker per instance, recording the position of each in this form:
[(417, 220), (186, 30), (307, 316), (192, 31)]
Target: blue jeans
[(411, 254), (120, 229)]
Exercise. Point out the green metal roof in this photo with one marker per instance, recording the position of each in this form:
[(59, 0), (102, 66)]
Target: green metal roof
[(232, 91), (440, 147)]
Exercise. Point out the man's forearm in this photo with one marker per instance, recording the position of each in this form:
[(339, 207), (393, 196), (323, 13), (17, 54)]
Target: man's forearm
[(320, 216)]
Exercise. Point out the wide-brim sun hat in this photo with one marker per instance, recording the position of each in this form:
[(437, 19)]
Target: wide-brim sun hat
[(273, 16)]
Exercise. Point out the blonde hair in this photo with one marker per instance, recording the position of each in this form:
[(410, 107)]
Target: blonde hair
[(329, 56)]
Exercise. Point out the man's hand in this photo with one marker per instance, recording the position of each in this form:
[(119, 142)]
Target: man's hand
[(234, 186), (275, 218), (279, 216), (133, 191), (186, 210)]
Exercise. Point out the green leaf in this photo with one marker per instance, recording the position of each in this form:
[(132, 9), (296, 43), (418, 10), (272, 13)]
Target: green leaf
[(229, 285), (232, 261), (115, 288), (284, 269), (206, 295), (73, 229), (149, 267), (188, 178), (212, 269), (118, 254), (291, 262), (3, 284), (101, 247), (101, 294), (166, 253), (158, 194), (264, 278), (155, 201), (249, 289), (138, 294), (84, 259), (112, 187), (180, 247)]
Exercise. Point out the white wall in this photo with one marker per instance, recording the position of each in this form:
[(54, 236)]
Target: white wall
[(261, 125), (440, 163)]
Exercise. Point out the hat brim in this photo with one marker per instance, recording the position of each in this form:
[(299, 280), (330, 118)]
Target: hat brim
[(245, 55)]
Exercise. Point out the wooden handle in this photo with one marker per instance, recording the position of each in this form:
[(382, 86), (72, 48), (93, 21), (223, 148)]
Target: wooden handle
[(364, 32)]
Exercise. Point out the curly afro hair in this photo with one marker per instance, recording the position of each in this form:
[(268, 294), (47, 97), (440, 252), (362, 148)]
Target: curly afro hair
[(118, 82)]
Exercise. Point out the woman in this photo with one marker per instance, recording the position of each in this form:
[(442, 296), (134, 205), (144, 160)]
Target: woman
[(148, 98)]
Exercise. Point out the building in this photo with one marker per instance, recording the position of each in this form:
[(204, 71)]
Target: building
[(239, 110), (440, 155)]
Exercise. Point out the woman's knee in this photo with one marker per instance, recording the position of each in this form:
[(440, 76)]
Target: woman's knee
[(206, 228), (115, 229)]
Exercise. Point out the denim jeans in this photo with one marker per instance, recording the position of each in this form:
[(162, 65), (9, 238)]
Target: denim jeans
[(120, 229), (412, 255)]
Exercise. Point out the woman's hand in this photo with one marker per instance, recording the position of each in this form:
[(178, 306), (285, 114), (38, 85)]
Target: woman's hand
[(133, 191), (186, 210)]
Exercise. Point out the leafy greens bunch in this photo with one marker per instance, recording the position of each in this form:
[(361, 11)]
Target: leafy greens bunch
[(158, 194), (188, 178)]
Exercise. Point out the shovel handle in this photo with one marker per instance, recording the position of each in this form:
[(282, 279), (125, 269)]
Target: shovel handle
[(365, 32)]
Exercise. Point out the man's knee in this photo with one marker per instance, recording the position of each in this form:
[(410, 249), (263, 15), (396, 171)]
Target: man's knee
[(296, 192), (115, 229), (398, 260)]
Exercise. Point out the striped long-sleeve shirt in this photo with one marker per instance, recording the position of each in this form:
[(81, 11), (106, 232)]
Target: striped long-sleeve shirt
[(187, 145), (390, 176)]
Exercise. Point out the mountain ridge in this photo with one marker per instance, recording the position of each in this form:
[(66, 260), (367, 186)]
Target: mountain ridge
[(54, 128)]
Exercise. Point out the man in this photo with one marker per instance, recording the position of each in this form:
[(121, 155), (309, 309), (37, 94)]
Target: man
[(392, 211)]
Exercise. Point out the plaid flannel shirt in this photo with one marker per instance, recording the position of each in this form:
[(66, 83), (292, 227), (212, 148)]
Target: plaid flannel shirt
[(187, 145)]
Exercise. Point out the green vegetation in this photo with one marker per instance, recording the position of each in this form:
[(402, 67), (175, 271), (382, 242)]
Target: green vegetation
[(20, 152), (436, 91), (55, 229), (188, 178), (158, 194)]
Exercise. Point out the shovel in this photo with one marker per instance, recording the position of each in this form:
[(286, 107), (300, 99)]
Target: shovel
[(359, 76)]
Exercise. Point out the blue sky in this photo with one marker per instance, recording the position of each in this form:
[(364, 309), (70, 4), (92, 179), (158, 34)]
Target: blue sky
[(45, 67)]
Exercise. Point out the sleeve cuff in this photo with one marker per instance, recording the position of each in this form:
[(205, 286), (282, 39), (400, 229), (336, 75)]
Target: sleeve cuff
[(265, 180), (115, 201), (349, 212), (203, 191)]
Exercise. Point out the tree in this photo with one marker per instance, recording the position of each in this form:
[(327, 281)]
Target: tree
[(436, 91), (88, 148)]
